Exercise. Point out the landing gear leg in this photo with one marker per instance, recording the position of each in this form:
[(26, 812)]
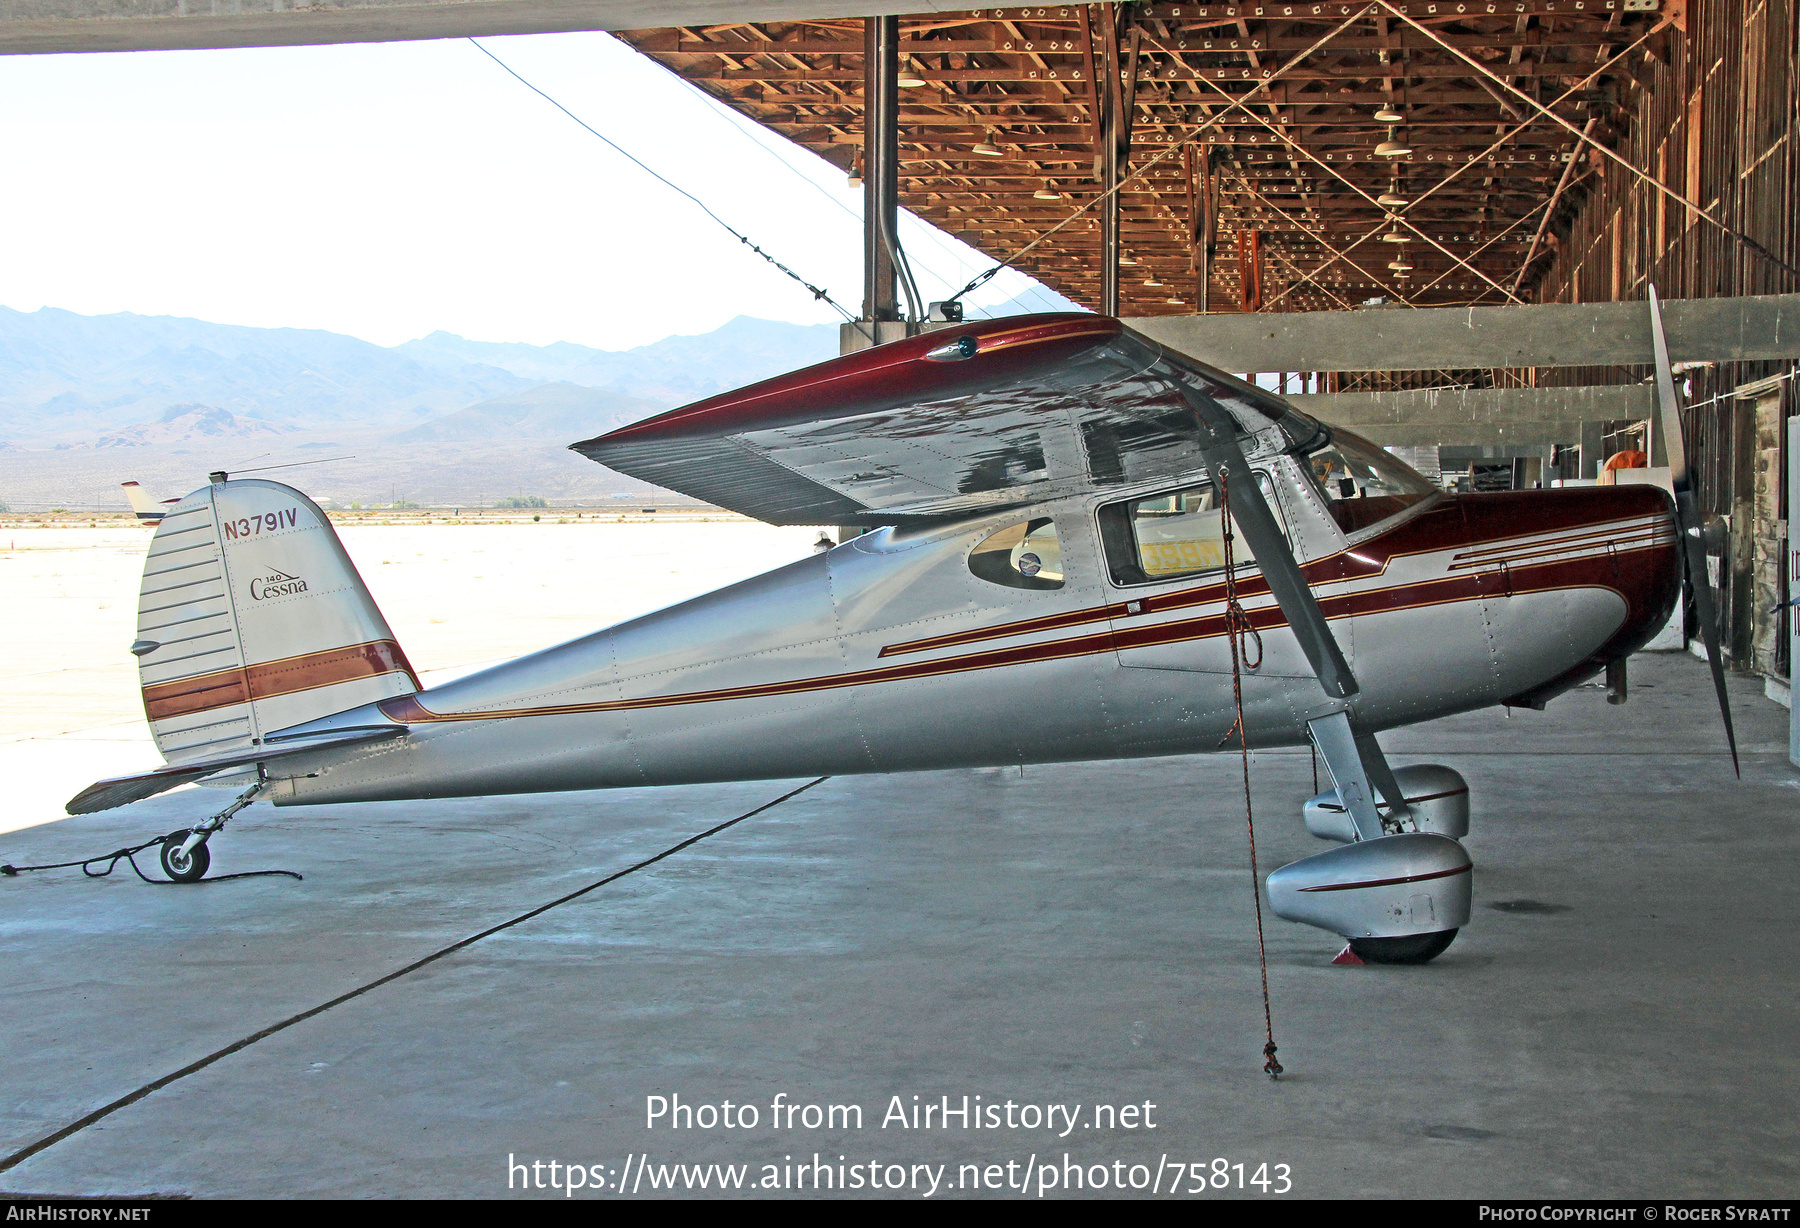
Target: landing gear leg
[(1359, 769), (1398, 894), (184, 854)]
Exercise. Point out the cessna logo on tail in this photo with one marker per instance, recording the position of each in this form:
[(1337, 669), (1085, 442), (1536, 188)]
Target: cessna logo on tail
[(276, 584)]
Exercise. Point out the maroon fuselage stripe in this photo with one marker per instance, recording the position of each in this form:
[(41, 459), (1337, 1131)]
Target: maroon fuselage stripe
[(1390, 882), (1423, 535), (305, 672), (1591, 572)]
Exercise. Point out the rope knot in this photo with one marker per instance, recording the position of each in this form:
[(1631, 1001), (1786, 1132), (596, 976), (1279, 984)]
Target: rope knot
[(1242, 631)]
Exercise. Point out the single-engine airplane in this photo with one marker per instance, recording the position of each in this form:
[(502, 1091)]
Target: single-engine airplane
[(1042, 579)]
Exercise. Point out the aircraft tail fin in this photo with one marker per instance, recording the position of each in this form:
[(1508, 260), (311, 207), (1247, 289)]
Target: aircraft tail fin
[(253, 619), (141, 502)]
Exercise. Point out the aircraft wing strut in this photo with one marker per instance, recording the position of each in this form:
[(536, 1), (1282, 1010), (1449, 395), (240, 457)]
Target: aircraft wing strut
[(1218, 439)]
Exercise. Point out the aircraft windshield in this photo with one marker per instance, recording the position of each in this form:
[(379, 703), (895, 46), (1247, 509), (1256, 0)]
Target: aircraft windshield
[(1364, 485)]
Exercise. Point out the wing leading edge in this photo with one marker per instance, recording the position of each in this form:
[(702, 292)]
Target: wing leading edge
[(985, 415)]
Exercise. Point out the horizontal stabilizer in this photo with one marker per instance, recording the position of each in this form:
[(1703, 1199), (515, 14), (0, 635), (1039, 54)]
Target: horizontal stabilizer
[(122, 790)]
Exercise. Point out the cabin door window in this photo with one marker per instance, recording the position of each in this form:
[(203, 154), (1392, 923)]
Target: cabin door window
[(1168, 536), (1167, 551)]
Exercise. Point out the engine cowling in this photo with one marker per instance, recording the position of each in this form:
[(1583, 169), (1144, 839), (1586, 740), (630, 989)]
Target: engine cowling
[(1438, 797), (1393, 886)]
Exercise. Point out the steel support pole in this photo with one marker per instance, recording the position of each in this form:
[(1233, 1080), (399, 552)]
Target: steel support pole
[(1209, 230), (881, 165), (1109, 226), (1111, 129)]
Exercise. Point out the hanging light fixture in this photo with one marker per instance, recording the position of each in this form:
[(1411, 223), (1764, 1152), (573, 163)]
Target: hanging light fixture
[(1152, 282), (1127, 262), (1388, 115), (1399, 266), (1392, 149), (986, 150), (1047, 192), (909, 79), (1388, 200), (1396, 236)]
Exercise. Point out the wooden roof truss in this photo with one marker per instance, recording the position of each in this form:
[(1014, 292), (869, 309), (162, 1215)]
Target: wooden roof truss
[(1294, 164)]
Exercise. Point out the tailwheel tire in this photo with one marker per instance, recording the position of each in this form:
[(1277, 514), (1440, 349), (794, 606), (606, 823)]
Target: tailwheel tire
[(1408, 949), (189, 869)]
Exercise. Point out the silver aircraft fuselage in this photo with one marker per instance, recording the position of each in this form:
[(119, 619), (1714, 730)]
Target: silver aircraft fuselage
[(888, 653)]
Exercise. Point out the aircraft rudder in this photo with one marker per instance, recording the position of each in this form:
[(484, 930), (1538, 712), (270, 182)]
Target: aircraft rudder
[(252, 619), (142, 505)]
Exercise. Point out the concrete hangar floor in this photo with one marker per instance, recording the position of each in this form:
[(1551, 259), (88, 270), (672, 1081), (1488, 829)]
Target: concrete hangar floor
[(1617, 1020)]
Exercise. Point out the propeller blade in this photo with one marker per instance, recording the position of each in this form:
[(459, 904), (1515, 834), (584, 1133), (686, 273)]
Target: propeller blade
[(1687, 520), (1674, 443), (1218, 439)]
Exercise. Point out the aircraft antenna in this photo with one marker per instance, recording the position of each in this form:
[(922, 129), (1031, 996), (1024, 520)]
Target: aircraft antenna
[(323, 460), (1237, 627)]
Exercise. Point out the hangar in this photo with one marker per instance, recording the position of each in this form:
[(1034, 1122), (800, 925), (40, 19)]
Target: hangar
[(1432, 223), (1284, 164)]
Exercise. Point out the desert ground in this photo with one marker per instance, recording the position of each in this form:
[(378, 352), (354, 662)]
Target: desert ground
[(458, 594)]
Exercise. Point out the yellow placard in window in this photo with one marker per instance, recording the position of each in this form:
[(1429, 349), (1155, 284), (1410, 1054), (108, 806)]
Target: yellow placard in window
[(1173, 557)]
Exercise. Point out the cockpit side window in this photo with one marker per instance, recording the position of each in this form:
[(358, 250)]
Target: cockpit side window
[(1170, 535), (1023, 555)]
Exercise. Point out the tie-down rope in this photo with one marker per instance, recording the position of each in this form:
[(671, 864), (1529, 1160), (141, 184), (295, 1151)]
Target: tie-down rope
[(129, 854), (1237, 626)]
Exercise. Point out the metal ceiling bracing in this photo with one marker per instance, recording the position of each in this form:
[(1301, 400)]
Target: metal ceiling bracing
[(1292, 171)]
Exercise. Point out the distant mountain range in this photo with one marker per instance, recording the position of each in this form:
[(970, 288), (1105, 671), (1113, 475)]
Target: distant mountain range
[(68, 378), (560, 411), (671, 372), (88, 401), (187, 424)]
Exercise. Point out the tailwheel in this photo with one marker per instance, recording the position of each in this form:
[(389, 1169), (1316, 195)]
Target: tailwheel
[(1407, 949), (189, 867)]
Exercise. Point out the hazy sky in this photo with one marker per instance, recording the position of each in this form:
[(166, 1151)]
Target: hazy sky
[(386, 190)]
